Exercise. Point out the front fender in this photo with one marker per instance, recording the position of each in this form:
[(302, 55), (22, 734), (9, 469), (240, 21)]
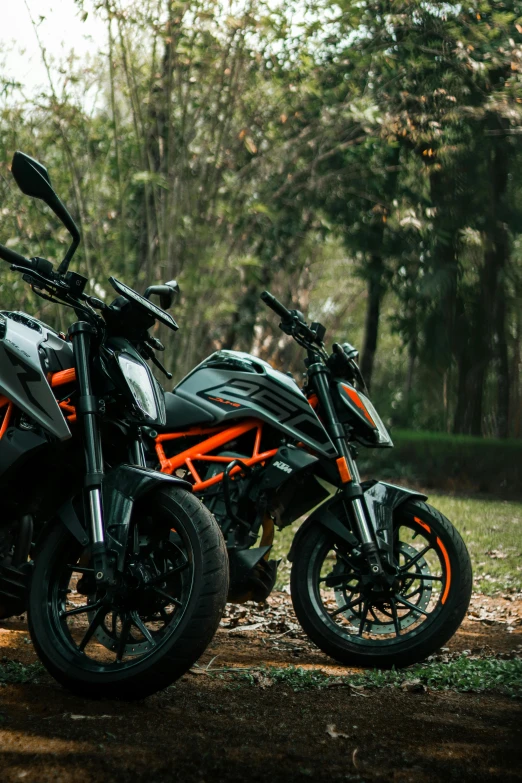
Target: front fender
[(381, 501), (121, 487)]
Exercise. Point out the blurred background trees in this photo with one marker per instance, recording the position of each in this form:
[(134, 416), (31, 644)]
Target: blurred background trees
[(360, 160)]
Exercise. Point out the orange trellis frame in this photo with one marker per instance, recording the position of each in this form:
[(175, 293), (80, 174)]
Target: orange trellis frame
[(219, 436), (8, 405), (58, 379)]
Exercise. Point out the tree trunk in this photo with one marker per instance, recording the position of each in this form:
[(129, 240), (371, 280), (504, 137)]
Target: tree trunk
[(412, 358), (500, 345), (373, 311), (241, 330), (493, 282), (471, 368)]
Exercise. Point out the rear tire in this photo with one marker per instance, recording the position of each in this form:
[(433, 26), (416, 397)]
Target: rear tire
[(188, 629), (346, 643)]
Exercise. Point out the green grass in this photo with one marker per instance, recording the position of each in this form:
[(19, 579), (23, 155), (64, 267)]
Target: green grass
[(488, 526), (449, 462), (485, 525), (463, 674), (14, 672)]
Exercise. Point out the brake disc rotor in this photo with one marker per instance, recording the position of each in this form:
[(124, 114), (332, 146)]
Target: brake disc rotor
[(378, 623), (110, 640)]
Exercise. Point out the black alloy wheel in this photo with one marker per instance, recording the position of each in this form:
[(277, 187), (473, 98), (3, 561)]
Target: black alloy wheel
[(399, 622), (133, 639)]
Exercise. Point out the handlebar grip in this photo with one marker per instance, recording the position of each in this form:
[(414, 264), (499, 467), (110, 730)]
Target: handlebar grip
[(339, 352), (6, 254), (276, 305)]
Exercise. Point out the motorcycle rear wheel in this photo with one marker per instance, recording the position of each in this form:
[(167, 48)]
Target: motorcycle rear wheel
[(136, 640), (344, 616)]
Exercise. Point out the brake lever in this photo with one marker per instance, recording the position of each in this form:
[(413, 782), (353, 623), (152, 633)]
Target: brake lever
[(150, 355), (155, 343)]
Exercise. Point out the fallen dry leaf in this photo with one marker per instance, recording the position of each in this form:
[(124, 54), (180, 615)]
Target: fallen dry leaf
[(261, 680), (91, 717), (496, 554), (413, 686), (333, 733)]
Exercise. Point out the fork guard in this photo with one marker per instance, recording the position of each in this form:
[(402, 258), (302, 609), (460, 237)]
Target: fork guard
[(120, 489), (381, 501)]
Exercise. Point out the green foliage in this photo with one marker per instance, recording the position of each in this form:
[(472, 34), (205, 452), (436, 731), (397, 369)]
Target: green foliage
[(360, 159), (14, 672), (449, 461), (463, 674)]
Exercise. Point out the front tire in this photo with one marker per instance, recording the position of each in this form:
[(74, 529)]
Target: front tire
[(139, 639), (350, 622)]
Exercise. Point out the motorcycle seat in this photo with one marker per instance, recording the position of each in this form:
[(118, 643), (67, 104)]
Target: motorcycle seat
[(181, 413)]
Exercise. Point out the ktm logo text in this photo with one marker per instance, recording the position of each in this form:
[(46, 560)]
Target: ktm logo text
[(282, 466)]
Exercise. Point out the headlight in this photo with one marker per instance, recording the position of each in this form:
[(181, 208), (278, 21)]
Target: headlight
[(140, 384), (383, 436)]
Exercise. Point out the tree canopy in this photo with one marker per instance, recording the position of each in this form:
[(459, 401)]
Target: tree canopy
[(360, 159)]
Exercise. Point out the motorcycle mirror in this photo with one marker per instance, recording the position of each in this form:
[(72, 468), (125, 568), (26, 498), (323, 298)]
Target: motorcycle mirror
[(166, 292), (174, 289), (350, 351), (33, 179)]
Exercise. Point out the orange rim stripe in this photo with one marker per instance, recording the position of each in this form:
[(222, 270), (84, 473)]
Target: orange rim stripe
[(448, 570), (422, 524), (444, 555), (344, 473)]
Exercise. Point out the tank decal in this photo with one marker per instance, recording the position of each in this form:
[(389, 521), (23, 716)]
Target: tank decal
[(275, 403), (266, 395), (23, 379), (27, 376), (223, 387)]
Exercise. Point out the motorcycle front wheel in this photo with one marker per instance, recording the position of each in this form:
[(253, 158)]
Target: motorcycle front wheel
[(133, 640), (360, 624)]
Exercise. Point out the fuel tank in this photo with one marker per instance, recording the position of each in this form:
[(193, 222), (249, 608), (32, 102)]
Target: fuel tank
[(231, 385)]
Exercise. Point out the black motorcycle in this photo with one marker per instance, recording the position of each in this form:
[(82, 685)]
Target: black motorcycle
[(378, 577), (122, 570)]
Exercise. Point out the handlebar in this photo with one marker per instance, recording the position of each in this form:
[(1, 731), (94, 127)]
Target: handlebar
[(275, 305), (339, 351), (293, 323), (6, 254)]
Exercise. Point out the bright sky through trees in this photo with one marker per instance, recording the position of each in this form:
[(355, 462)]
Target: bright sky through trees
[(61, 31)]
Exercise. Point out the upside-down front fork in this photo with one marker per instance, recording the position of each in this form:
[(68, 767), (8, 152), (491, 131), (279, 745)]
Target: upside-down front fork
[(352, 490), (87, 409)]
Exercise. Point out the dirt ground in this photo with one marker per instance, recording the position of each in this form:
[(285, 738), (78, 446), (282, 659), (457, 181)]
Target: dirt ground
[(209, 727)]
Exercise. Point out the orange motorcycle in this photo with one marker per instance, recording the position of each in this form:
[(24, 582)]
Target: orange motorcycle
[(379, 577)]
